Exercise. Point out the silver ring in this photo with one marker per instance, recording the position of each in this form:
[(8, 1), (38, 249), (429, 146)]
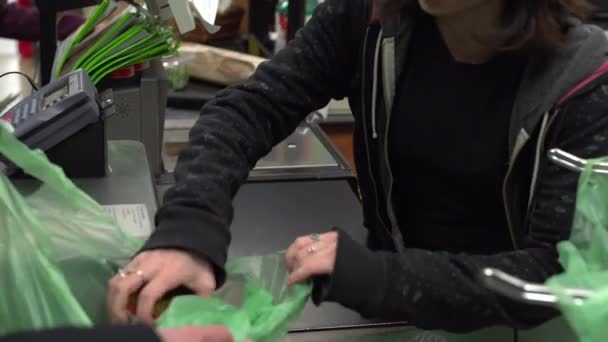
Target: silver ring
[(311, 249), (123, 273), (315, 237)]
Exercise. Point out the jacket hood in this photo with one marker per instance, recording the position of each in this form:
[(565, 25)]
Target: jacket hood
[(585, 50)]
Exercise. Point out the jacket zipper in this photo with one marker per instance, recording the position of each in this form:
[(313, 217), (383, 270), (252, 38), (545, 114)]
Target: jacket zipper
[(396, 230), (505, 196), (541, 138), (365, 132)]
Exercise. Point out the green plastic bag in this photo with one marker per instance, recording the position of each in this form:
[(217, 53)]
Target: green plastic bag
[(585, 259), (59, 248), (255, 303)]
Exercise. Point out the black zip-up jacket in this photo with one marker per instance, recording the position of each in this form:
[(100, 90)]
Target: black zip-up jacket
[(344, 51)]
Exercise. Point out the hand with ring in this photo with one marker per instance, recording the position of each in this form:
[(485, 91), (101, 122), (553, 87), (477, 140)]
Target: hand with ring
[(311, 255), (151, 275)]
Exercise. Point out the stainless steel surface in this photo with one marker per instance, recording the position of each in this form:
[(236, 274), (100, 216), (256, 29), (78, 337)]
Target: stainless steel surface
[(140, 113), (517, 289), (302, 149), (573, 162), (128, 182)]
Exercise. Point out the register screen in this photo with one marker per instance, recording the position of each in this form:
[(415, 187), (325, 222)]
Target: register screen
[(56, 95)]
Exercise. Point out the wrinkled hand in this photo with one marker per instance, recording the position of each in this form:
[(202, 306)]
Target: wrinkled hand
[(155, 273), (311, 256), (196, 334)]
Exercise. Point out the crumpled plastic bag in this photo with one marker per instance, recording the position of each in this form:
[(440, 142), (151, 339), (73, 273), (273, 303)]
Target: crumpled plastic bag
[(585, 259), (254, 304), (59, 248)]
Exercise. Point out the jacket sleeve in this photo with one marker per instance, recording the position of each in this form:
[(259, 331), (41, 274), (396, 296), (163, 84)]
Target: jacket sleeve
[(434, 290), (241, 125), (97, 334)]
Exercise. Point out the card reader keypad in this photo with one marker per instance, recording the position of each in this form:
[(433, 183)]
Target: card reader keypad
[(21, 113)]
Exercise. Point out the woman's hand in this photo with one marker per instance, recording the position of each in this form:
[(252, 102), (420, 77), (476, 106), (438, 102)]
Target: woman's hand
[(196, 334), (311, 256), (151, 275)]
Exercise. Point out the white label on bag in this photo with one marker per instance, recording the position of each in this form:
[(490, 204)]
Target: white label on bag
[(133, 218)]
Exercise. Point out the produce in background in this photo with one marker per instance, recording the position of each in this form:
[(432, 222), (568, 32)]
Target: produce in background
[(177, 70)]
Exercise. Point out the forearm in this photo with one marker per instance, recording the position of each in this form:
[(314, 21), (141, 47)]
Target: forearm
[(445, 291), (434, 290), (244, 122)]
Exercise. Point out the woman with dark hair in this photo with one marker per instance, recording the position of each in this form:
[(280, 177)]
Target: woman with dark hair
[(456, 103)]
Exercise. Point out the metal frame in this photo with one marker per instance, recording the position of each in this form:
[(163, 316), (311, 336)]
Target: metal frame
[(519, 290), (538, 294), (140, 111), (342, 171), (574, 163)]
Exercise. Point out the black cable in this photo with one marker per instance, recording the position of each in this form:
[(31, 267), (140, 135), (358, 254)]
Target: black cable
[(29, 79)]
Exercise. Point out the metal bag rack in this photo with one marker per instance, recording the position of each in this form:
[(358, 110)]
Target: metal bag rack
[(522, 291), (538, 294)]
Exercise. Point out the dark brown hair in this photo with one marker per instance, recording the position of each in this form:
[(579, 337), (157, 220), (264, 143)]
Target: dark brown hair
[(526, 24)]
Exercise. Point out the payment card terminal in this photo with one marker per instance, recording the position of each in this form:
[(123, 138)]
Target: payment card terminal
[(55, 112), (65, 119)]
